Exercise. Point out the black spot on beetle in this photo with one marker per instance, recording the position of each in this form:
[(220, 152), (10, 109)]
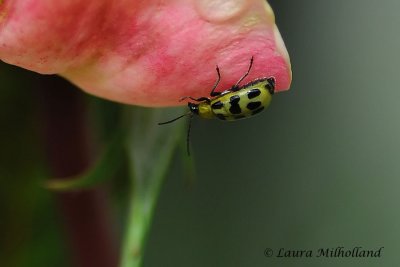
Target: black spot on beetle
[(221, 116), (217, 105), (271, 81), (271, 85), (235, 108), (257, 111), (254, 105), (253, 93)]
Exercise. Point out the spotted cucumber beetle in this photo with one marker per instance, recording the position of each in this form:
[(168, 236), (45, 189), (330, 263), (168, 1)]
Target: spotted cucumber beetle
[(236, 103)]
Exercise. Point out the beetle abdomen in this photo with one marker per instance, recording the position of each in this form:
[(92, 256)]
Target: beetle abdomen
[(247, 101)]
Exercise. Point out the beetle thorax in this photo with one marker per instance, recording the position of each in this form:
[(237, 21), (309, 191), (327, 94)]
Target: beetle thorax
[(204, 110)]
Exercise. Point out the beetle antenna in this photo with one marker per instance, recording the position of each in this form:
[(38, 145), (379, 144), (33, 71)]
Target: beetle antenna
[(190, 114), (188, 134), (166, 122)]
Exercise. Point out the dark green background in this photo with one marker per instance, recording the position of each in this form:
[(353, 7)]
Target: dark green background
[(319, 169)]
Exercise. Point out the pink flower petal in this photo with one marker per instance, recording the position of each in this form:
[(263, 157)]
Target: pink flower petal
[(147, 53)]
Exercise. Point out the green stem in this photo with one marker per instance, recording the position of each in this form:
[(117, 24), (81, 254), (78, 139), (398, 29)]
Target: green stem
[(142, 205), (141, 211), (132, 247), (151, 148)]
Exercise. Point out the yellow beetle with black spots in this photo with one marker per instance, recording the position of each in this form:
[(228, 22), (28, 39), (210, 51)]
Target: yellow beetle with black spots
[(236, 103)]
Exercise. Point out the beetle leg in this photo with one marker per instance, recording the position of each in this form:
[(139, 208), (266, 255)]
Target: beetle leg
[(236, 86), (200, 99), (213, 93)]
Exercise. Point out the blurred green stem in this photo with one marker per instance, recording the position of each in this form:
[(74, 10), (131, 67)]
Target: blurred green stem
[(67, 142), (151, 148), (141, 209)]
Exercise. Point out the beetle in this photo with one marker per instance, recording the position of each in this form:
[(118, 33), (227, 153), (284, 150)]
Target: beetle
[(238, 102)]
